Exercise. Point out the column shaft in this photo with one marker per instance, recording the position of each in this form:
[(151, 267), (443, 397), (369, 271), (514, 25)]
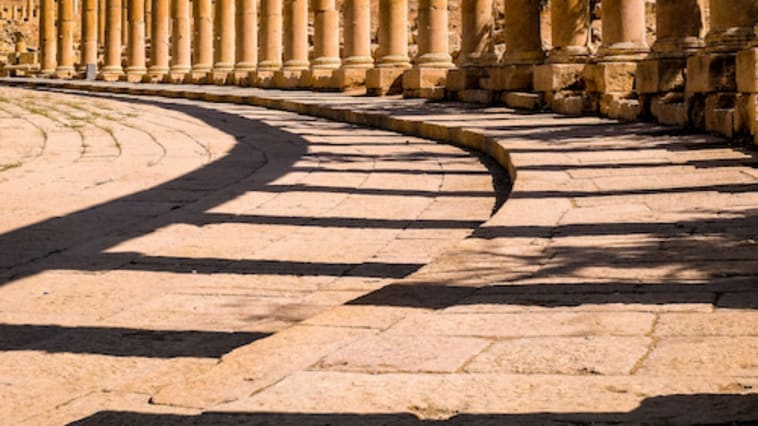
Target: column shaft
[(101, 8), (680, 27), (522, 32), (296, 36), (112, 66), (159, 42), (224, 36), (247, 35), (181, 39), (623, 30), (136, 48), (326, 47), (357, 34), (433, 45), (271, 35), (476, 33), (89, 33), (149, 20), (393, 35), (570, 20), (203, 31), (65, 37), (124, 23), (47, 36), (731, 24)]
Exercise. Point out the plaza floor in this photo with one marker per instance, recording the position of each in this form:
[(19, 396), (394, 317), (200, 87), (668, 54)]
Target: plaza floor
[(183, 255)]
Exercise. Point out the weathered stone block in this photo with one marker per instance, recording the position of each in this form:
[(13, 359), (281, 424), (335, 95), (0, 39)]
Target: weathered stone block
[(463, 79), (512, 77), (424, 78), (110, 75), (320, 78), (615, 106), (261, 78), (476, 96), (747, 108), (350, 78), (134, 77), (554, 77), (721, 114), (660, 75), (521, 100), (610, 77), (747, 70), (711, 72), (198, 77), (28, 58), (217, 77), (175, 77), (288, 79), (238, 78), (668, 112), (569, 105), (383, 81)]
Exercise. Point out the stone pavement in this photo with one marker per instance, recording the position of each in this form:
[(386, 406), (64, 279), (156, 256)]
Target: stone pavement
[(616, 284)]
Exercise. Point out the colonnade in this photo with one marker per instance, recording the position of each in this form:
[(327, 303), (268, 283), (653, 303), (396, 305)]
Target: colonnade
[(265, 43)]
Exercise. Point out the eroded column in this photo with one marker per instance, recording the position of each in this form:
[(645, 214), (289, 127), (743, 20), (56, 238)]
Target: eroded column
[(246, 45), (47, 37), (89, 34), (135, 59), (223, 49), (357, 44), (427, 78), (392, 55), (159, 43), (181, 41), (326, 49), (523, 50), (270, 53), (623, 30), (202, 48), (65, 68), (112, 64), (295, 44), (477, 50)]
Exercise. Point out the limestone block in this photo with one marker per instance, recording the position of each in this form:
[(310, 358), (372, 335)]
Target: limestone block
[(432, 93), (476, 96), (464, 78), (615, 106), (350, 78), (383, 81), (568, 104), (522, 100), (28, 58), (610, 77), (554, 77), (747, 70), (176, 77), (109, 76), (197, 77), (217, 77), (721, 114), (512, 77), (711, 72), (660, 75), (424, 78), (668, 112), (747, 108), (239, 78), (288, 79)]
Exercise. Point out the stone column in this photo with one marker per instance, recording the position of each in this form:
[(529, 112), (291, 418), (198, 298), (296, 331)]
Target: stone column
[(203, 40), (357, 44), (101, 8), (523, 42), (181, 41), (680, 28), (270, 54), (124, 24), (392, 56), (223, 49), (427, 78), (65, 68), (623, 30), (326, 48), (562, 75), (89, 34), (149, 21), (295, 44), (476, 34), (112, 67), (246, 25), (135, 60), (47, 37), (159, 43), (731, 25)]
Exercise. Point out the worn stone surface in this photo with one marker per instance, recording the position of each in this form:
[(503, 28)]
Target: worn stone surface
[(615, 285)]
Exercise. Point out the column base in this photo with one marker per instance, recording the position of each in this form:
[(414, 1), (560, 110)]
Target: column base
[(320, 78), (135, 76), (347, 78), (197, 76), (288, 79), (176, 76), (610, 77), (261, 78), (660, 75), (155, 75), (108, 75), (555, 77), (217, 77), (460, 79), (239, 77), (669, 109), (426, 83), (711, 72), (384, 81), (65, 73), (516, 77)]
